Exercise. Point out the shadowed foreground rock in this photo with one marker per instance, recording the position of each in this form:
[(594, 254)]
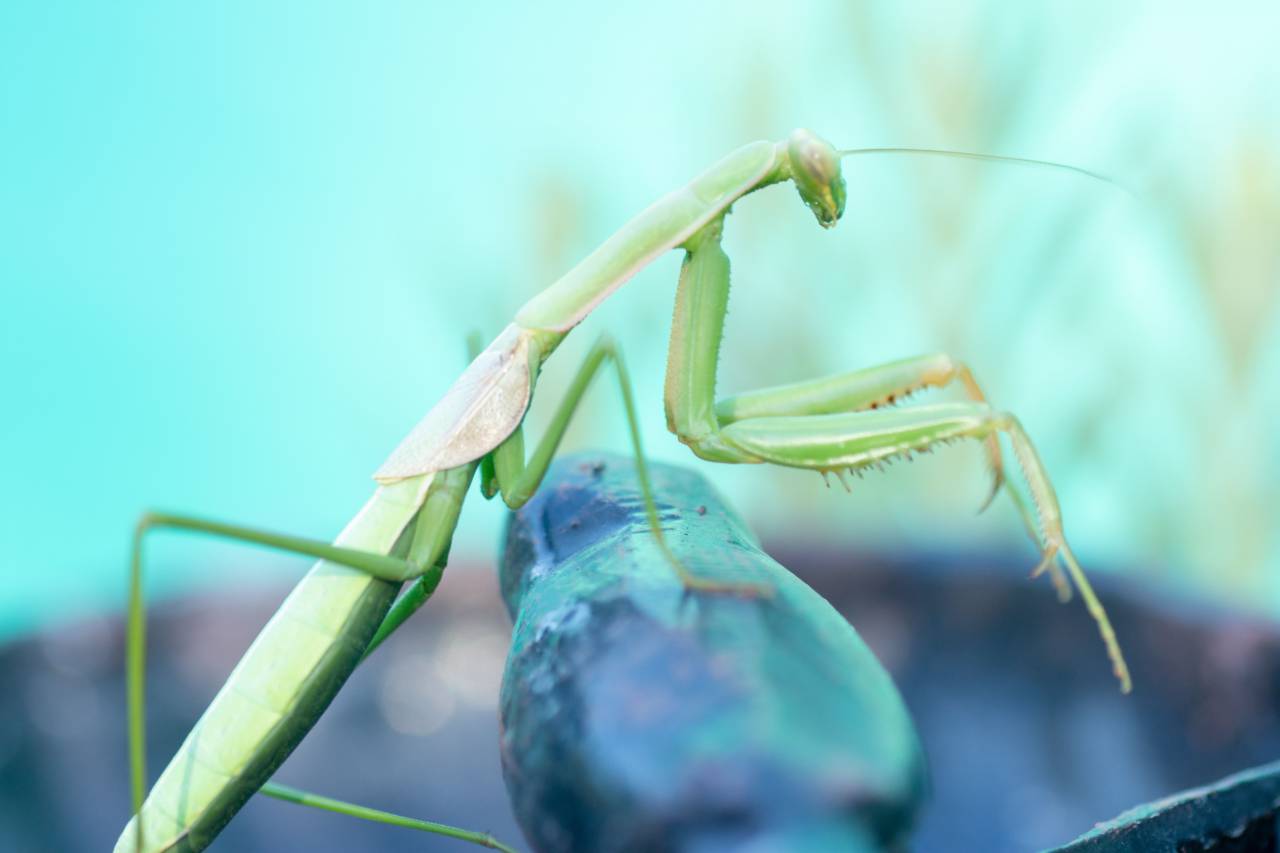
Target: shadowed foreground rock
[(1240, 814), (637, 716)]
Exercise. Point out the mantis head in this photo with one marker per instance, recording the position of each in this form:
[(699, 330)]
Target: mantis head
[(815, 167)]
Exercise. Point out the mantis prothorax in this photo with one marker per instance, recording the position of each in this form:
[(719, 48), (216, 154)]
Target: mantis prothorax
[(343, 607)]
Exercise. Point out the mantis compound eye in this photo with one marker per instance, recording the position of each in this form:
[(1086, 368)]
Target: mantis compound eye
[(815, 167)]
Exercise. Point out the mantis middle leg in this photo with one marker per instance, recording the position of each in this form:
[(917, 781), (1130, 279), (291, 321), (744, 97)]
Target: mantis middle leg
[(506, 470)]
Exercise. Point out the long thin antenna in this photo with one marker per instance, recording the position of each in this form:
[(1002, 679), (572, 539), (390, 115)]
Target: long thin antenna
[(992, 158)]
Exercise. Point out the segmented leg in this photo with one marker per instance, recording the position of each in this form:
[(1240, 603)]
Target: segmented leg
[(506, 470), (432, 538), (304, 798), (875, 387), (864, 390), (872, 388), (830, 425)]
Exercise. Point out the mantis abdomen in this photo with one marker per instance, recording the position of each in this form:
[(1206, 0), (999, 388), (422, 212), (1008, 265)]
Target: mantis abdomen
[(279, 689)]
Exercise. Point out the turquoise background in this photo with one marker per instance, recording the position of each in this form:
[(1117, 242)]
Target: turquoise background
[(242, 244)]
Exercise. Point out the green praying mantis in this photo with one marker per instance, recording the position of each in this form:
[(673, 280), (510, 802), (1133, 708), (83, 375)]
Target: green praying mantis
[(347, 603)]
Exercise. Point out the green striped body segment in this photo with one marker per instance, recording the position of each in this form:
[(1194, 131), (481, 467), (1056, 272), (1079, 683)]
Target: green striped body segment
[(280, 687)]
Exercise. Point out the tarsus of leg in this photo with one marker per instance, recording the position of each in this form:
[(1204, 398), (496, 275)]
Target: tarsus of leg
[(1094, 606), (315, 801), (517, 479), (1056, 545)]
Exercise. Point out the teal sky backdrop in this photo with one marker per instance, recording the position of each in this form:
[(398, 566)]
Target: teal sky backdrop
[(243, 243)]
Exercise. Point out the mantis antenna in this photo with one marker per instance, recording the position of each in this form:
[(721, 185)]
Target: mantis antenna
[(991, 158)]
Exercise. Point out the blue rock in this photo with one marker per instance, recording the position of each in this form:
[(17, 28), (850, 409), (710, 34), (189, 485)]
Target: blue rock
[(637, 715)]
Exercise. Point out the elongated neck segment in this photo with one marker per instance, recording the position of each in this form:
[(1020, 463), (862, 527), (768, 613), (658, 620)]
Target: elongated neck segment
[(665, 225), (804, 157)]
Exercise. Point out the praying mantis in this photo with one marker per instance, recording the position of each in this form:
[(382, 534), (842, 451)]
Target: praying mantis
[(347, 603)]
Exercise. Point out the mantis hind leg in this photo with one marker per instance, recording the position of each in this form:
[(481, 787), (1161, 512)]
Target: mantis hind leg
[(304, 798)]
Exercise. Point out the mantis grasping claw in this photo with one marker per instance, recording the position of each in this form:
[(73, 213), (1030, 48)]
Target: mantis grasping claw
[(343, 607)]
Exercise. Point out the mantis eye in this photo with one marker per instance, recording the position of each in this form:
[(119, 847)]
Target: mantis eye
[(815, 167)]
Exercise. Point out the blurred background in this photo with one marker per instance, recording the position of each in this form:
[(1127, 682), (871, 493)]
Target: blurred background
[(243, 244)]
